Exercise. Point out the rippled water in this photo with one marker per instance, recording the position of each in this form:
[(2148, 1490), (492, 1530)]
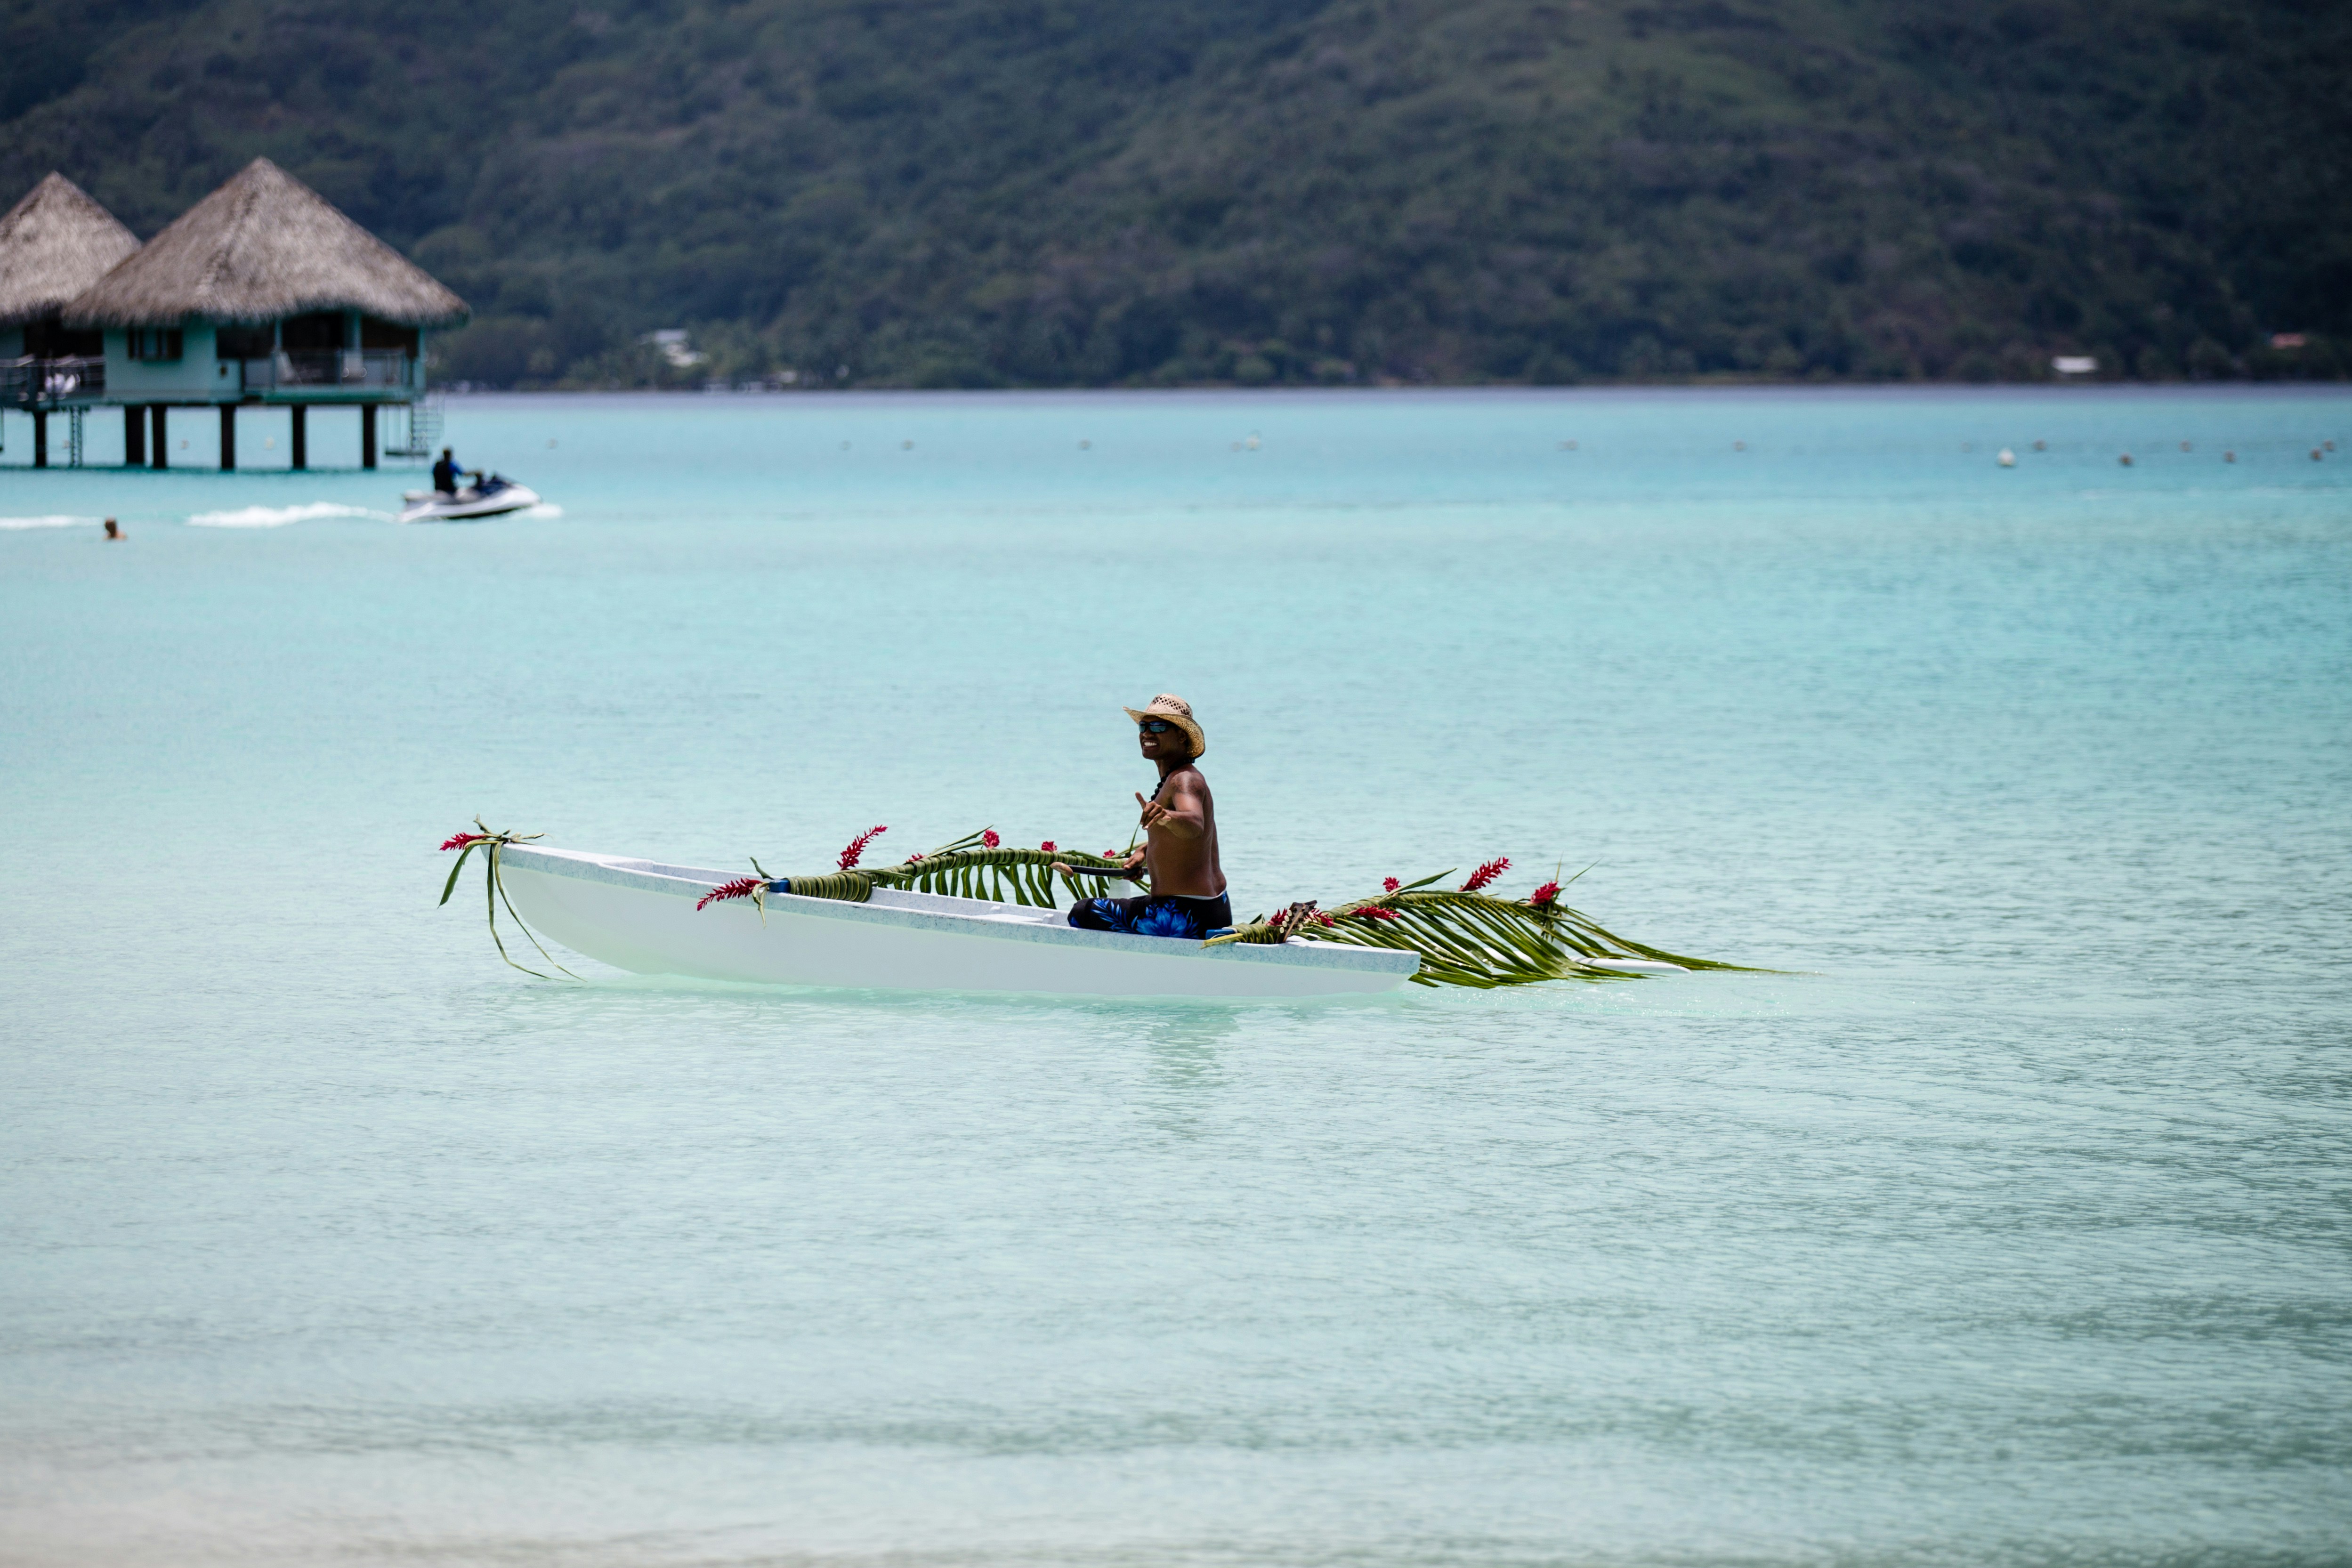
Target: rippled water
[(2007, 1224)]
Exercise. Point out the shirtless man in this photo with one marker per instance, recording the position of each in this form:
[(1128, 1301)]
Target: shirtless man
[(1179, 848)]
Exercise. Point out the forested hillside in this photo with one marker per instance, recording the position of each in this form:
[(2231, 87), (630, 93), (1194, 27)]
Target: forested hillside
[(1067, 192)]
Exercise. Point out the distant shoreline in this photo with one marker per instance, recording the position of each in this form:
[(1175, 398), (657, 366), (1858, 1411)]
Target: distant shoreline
[(1825, 390)]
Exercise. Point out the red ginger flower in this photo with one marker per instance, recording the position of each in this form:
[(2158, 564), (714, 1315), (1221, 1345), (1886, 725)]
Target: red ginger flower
[(740, 887), (459, 840), (1486, 874), (1047, 846), (858, 845), (1543, 897), (1390, 884), (1375, 912), (1321, 919), (988, 836)]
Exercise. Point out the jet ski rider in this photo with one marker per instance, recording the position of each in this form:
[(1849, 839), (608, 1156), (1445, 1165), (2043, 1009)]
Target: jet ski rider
[(447, 474)]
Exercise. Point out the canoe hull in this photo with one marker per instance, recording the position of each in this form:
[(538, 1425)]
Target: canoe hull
[(640, 915)]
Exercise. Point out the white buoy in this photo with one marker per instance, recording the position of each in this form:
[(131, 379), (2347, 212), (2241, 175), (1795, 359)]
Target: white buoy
[(2008, 458)]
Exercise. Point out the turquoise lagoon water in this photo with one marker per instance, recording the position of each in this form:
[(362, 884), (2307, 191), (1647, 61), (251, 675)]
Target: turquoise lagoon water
[(2012, 1224)]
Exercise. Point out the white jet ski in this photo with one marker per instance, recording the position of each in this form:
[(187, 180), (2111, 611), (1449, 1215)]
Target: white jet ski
[(489, 496)]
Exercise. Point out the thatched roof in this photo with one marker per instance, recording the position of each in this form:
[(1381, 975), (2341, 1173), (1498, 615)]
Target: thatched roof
[(263, 246), (53, 243)]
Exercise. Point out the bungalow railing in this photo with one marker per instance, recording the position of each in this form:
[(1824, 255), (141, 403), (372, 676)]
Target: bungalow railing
[(356, 369), (29, 383)]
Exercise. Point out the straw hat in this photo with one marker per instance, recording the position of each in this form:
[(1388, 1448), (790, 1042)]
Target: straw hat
[(1177, 711)]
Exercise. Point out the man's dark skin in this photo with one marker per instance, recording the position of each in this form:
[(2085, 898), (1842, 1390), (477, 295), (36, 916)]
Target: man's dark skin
[(1180, 822)]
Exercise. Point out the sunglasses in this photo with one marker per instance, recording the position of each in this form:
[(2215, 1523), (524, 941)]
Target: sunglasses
[(1154, 726)]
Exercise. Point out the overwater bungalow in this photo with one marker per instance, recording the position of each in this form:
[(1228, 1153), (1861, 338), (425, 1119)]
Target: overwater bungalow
[(53, 243), (261, 294)]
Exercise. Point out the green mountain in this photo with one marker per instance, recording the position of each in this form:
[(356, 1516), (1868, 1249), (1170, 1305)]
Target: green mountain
[(1087, 192)]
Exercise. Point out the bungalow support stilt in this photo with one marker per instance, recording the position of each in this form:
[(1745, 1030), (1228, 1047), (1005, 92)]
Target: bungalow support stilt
[(40, 437), (134, 434), (161, 439), (301, 440), (367, 434), (229, 438)]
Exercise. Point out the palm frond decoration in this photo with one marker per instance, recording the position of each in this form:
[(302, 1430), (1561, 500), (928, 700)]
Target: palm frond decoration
[(494, 887), (1465, 935), (977, 866)]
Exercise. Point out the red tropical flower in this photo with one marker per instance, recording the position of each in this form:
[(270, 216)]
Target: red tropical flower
[(1321, 919), (740, 887), (1047, 846), (915, 856), (988, 836), (858, 845), (1543, 897), (1375, 912), (459, 840), (1486, 874), (1390, 884)]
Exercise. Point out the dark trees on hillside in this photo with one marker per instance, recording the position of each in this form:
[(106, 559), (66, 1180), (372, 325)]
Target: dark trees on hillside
[(957, 193)]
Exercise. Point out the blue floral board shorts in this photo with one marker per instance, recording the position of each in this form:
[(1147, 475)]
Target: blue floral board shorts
[(1154, 915)]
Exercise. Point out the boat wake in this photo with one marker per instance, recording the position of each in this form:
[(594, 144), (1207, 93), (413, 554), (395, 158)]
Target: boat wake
[(280, 516)]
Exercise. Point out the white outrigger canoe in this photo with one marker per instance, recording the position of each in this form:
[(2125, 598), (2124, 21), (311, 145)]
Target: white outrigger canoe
[(640, 915)]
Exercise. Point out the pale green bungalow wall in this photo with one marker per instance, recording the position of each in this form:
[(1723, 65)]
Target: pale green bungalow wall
[(199, 376), (194, 377)]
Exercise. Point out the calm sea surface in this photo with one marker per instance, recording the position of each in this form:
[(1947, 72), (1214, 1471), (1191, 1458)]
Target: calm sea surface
[(2012, 1224)]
